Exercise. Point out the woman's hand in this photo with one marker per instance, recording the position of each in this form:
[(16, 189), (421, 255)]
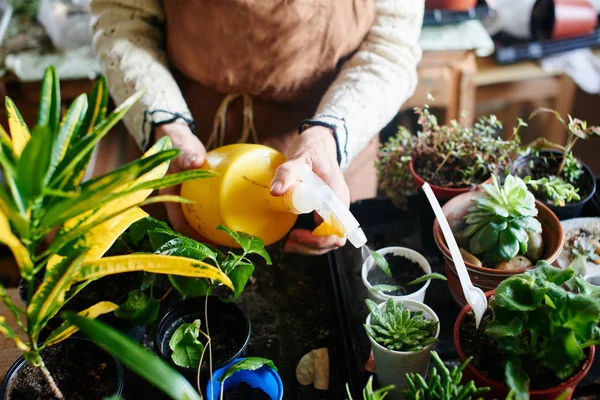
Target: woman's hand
[(192, 156), (316, 148)]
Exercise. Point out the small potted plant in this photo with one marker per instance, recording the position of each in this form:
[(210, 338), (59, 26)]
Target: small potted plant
[(558, 179), (453, 159), (204, 322), (251, 378), (397, 272), (537, 340), (369, 393), (502, 231), (402, 335), (442, 383)]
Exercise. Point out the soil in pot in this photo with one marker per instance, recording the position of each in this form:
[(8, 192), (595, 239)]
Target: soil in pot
[(80, 369), (404, 270), (244, 391), (450, 176), (489, 360), (546, 165)]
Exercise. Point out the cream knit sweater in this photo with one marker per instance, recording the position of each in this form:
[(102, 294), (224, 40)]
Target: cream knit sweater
[(366, 95)]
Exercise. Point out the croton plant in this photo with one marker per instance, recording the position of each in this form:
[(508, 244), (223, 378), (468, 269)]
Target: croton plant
[(44, 192)]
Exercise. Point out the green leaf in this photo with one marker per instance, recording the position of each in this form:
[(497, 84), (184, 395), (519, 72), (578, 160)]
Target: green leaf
[(175, 179), (186, 247), (190, 287), (49, 111), (587, 288), (516, 378), (382, 263), (139, 308), (136, 357), (141, 229), (247, 364), (250, 244), (515, 293), (508, 246), (187, 349), (36, 153), (427, 277), (239, 276), (497, 330), (483, 240), (158, 237)]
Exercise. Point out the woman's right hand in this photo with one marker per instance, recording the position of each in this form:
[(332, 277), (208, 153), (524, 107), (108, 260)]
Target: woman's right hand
[(192, 156)]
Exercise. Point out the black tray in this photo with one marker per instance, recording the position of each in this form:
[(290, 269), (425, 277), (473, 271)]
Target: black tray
[(384, 226), (447, 17)]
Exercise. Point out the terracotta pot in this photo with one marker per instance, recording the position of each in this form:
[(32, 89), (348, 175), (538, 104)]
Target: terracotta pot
[(499, 390), (441, 192), (560, 19), (489, 278), (454, 5)]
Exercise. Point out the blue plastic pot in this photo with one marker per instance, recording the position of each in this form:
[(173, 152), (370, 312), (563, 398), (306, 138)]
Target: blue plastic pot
[(265, 378)]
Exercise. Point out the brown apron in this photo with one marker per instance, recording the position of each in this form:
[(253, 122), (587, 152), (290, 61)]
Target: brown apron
[(280, 56)]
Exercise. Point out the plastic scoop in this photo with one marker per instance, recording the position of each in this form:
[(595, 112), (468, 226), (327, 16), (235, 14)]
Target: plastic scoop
[(474, 296)]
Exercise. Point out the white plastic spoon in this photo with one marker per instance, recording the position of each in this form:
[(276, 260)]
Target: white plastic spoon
[(475, 296)]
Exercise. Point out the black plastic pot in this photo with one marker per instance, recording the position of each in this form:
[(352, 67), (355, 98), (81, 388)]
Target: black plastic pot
[(82, 344), (522, 169), (228, 324)]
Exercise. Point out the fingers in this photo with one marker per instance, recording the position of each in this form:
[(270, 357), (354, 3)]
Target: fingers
[(302, 241), (193, 152), (288, 174)]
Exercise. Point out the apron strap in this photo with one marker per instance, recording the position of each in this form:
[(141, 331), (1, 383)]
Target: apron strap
[(217, 136)]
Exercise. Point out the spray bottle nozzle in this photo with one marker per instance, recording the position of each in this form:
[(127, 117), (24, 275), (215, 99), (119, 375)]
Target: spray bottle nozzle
[(312, 194)]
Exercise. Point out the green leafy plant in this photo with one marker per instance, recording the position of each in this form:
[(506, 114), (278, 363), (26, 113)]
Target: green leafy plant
[(382, 263), (442, 383), (555, 188), (584, 248), (497, 224), (43, 170), (369, 393), (537, 322), (398, 329), (472, 154), (187, 349), (247, 364)]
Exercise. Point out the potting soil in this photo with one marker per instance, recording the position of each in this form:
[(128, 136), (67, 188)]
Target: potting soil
[(404, 270)]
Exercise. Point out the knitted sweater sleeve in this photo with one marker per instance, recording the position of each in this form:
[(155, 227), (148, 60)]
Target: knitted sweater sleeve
[(372, 86), (129, 41)]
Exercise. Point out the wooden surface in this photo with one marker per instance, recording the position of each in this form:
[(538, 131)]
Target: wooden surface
[(8, 351)]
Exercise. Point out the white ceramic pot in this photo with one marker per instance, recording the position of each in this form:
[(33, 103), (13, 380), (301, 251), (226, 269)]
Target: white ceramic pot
[(369, 264), (392, 366)]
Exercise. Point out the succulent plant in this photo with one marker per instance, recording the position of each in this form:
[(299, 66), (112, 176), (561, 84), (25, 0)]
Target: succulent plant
[(557, 189), (584, 248), (497, 224), (399, 329), (442, 383), (369, 393)]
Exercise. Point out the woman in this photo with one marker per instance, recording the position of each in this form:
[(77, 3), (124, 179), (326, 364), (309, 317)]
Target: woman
[(222, 71)]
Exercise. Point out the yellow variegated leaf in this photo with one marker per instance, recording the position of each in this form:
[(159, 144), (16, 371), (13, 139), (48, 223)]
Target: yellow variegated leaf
[(67, 329), (99, 239), (5, 137), (16, 247), (153, 263), (18, 129), (7, 331)]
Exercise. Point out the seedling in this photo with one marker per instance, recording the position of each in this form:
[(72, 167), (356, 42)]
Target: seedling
[(369, 393), (248, 364)]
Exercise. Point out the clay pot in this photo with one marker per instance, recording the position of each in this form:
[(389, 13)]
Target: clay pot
[(454, 5), (440, 192), (499, 390), (482, 277), (560, 19)]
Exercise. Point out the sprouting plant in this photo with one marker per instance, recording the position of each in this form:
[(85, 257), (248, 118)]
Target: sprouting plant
[(369, 393), (442, 383), (476, 152), (498, 222), (382, 263), (187, 349), (44, 191), (584, 248), (556, 189), (539, 323), (399, 329), (577, 129), (572, 169), (247, 364)]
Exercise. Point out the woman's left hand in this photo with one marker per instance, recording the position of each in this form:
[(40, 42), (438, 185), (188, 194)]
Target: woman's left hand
[(316, 148)]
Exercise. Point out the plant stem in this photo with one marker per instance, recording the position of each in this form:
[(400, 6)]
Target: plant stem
[(210, 366), (50, 380)]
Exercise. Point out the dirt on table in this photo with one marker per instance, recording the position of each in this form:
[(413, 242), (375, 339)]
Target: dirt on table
[(243, 391), (404, 270), (80, 369), (449, 176)]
